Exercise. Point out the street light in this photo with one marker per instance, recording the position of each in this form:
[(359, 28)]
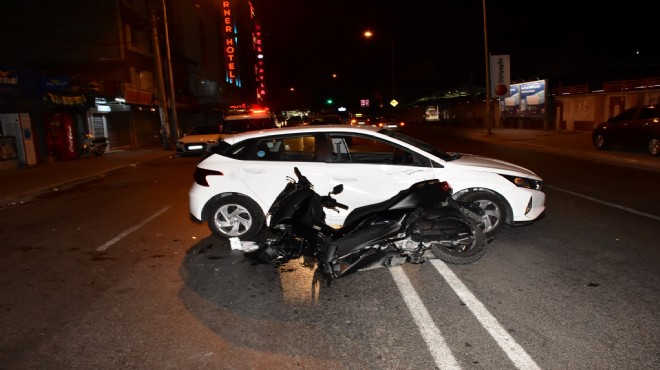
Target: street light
[(368, 35)]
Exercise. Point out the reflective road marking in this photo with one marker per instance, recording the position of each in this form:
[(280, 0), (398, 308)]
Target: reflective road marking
[(605, 203), (516, 353), (130, 230), (430, 332)]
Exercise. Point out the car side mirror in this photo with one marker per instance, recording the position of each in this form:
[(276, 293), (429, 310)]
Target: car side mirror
[(337, 189)]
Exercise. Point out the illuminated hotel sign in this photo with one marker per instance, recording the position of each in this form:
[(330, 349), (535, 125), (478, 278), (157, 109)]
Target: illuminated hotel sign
[(230, 47), (258, 50)]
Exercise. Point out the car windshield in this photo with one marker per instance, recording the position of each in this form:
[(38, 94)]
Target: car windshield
[(421, 145), (204, 130)]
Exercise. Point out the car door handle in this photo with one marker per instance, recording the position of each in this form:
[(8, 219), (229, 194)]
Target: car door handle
[(339, 178), (254, 171)]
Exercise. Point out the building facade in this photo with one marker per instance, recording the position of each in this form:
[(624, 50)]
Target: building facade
[(140, 72)]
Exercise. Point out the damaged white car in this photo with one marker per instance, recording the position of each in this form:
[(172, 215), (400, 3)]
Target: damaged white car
[(235, 186)]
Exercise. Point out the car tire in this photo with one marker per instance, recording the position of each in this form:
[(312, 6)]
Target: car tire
[(234, 216), (654, 146), (458, 256), (601, 142), (495, 211)]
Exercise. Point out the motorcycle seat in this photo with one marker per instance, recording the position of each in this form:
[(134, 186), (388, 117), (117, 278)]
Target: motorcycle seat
[(360, 213)]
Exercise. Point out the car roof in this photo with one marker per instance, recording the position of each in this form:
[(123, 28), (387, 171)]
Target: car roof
[(302, 129)]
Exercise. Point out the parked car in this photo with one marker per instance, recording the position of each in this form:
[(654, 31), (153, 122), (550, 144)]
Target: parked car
[(634, 127), (198, 141), (295, 121), (201, 139), (393, 123), (249, 120), (235, 186)]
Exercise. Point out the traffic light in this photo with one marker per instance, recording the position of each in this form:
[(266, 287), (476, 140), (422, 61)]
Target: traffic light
[(329, 101)]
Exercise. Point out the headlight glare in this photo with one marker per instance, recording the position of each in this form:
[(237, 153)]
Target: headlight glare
[(524, 182)]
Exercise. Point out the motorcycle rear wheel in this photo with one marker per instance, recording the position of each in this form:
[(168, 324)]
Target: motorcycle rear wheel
[(462, 254)]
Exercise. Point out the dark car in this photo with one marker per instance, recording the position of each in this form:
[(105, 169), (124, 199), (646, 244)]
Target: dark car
[(634, 127), (392, 123), (296, 121)]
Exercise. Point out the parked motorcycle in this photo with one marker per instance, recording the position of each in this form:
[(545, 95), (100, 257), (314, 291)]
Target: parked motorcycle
[(93, 145), (400, 229)]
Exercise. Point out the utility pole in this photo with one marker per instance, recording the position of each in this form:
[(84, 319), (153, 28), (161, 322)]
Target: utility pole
[(489, 121), (172, 101), (162, 98)]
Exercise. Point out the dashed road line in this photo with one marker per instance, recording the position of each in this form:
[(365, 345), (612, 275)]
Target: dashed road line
[(117, 238)]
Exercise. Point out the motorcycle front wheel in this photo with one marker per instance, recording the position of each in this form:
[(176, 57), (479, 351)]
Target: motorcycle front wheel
[(463, 251)]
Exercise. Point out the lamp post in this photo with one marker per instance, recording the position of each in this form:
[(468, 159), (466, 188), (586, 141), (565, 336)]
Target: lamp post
[(368, 35), (489, 123)]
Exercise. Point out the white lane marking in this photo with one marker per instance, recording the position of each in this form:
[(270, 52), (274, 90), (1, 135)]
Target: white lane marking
[(430, 332), (130, 230), (513, 350), (605, 203)]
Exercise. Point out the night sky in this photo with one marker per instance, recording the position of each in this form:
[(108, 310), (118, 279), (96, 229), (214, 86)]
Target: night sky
[(439, 44)]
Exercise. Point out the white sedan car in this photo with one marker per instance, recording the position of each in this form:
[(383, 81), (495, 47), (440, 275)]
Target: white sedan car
[(235, 186)]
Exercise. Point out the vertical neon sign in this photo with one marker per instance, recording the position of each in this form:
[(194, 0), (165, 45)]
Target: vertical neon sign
[(259, 62), (230, 40)]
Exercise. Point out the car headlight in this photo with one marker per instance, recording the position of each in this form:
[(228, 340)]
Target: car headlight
[(524, 182)]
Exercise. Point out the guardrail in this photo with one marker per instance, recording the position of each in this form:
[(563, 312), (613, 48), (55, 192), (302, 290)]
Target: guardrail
[(609, 86)]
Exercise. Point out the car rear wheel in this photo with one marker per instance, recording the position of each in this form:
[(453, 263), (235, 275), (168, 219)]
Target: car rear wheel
[(235, 216), (654, 146), (600, 142), (495, 211)]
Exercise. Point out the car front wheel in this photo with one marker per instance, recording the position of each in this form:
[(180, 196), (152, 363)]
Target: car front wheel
[(600, 142), (235, 216), (654, 146), (494, 211)]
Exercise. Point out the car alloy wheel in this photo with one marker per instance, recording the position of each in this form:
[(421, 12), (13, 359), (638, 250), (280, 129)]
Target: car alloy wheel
[(235, 216), (494, 215), (654, 146)]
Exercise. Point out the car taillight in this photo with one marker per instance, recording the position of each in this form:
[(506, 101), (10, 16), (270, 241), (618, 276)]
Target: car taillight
[(444, 186), (201, 173), (402, 124)]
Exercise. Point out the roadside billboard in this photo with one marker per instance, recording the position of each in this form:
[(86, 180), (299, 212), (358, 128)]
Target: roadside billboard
[(525, 99)]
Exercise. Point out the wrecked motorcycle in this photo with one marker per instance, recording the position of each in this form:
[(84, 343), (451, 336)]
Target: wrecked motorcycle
[(400, 229)]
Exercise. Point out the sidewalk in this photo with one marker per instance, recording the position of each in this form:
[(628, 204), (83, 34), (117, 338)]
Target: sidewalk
[(22, 185)]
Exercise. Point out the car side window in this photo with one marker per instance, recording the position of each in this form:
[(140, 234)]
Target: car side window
[(362, 149), (626, 115), (647, 113), (295, 148)]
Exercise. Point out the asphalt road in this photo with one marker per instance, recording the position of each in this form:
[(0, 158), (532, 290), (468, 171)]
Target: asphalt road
[(113, 274)]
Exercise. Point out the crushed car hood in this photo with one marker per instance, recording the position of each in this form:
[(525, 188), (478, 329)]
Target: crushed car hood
[(486, 164)]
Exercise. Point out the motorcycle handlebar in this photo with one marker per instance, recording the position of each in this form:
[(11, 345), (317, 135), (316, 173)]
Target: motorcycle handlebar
[(330, 202)]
